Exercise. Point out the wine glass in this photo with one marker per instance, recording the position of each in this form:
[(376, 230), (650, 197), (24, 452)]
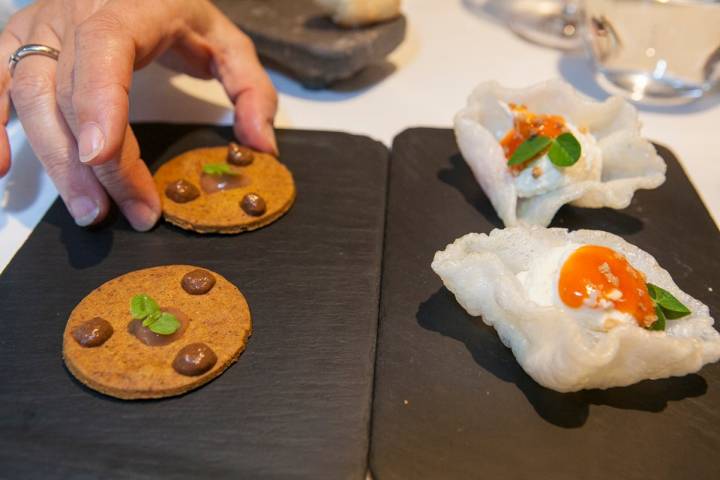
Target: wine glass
[(551, 23), (655, 52)]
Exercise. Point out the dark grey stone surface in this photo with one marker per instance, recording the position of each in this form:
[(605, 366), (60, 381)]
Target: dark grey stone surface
[(296, 404), (297, 37), (471, 411)]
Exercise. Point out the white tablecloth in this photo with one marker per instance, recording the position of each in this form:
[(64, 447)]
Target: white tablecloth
[(451, 46)]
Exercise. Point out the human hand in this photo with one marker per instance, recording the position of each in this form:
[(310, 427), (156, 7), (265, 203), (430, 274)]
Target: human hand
[(75, 110)]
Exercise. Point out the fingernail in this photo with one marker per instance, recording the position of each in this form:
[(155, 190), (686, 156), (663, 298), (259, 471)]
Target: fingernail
[(90, 141), (83, 210), (140, 215), (269, 132)]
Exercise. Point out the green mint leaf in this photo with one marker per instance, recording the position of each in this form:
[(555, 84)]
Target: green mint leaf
[(672, 315), (671, 306), (150, 319), (217, 169), (659, 324), (142, 305), (565, 150), (166, 324), (530, 148)]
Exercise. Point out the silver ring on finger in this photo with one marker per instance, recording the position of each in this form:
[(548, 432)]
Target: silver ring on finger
[(31, 49)]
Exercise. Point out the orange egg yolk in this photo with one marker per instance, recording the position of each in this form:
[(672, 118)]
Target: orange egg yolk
[(525, 125), (593, 275)]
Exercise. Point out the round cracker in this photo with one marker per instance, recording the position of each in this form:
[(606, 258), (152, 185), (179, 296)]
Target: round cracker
[(220, 212), (123, 366)]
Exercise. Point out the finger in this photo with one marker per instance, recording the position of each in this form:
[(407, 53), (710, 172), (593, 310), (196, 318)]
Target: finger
[(189, 55), (236, 64), (17, 27), (104, 55), (214, 45), (8, 44), (4, 151), (128, 181), (124, 175), (64, 80), (33, 94)]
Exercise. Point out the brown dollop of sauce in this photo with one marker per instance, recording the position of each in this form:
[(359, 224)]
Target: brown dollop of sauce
[(152, 339), (194, 359), (217, 183), (182, 191), (239, 155), (198, 282), (253, 204), (93, 332)]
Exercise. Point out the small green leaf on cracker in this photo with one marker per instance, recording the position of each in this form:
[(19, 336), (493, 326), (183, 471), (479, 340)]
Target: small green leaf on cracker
[(142, 305), (565, 150), (217, 169), (529, 149), (166, 324), (144, 308), (672, 307), (659, 324)]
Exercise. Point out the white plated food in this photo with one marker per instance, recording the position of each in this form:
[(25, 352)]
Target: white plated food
[(615, 160), (518, 279)]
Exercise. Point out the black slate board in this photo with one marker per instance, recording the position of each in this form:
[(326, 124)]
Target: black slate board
[(299, 38), (471, 411), (297, 403)]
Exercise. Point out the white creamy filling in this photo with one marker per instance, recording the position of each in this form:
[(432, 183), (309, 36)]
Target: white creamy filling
[(542, 176), (541, 286)]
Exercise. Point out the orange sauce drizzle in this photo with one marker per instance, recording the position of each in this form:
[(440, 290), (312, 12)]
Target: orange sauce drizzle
[(525, 125), (597, 271)]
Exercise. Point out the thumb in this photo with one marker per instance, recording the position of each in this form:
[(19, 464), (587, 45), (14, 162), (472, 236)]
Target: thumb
[(236, 64)]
